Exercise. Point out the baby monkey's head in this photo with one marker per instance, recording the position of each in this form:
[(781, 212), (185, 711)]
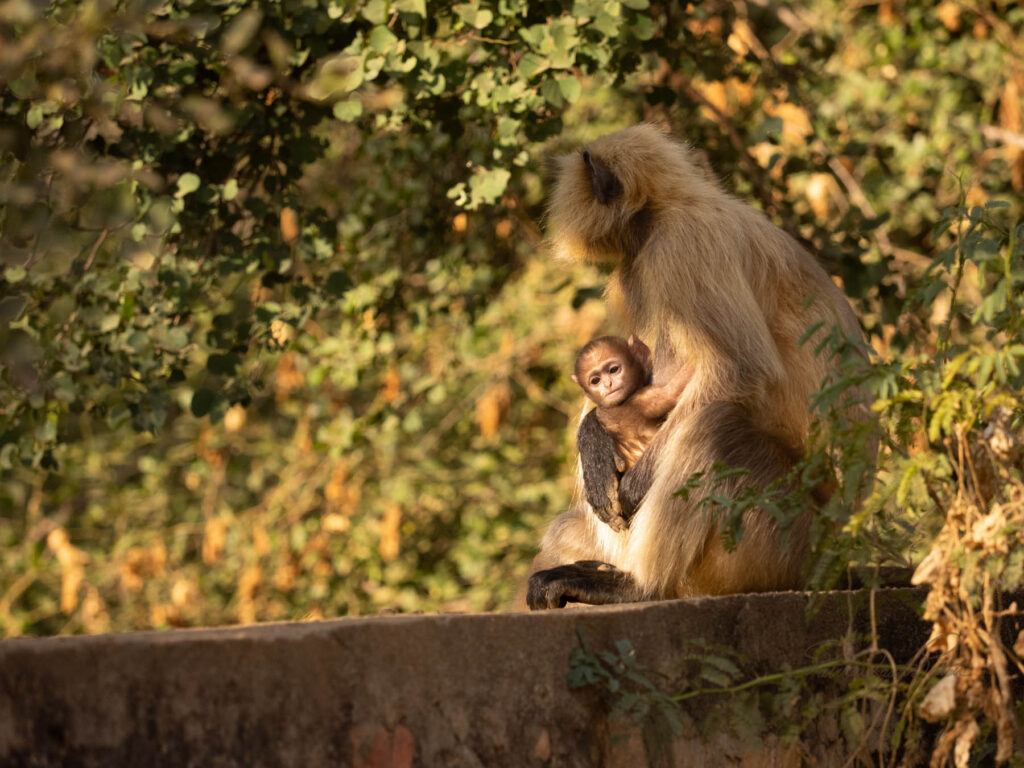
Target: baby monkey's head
[(610, 369)]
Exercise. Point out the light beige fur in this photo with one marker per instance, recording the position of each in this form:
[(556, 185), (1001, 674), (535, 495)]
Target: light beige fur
[(715, 283)]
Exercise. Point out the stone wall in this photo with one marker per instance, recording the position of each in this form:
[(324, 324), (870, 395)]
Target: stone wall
[(401, 691)]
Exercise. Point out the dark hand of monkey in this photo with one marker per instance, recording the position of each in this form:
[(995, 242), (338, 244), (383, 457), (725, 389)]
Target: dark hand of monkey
[(588, 581), (600, 477), (637, 480)]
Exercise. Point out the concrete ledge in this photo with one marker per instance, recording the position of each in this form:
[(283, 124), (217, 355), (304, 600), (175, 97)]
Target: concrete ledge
[(449, 690)]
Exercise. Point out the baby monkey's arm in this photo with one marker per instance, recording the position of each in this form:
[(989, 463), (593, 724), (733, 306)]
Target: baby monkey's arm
[(656, 401)]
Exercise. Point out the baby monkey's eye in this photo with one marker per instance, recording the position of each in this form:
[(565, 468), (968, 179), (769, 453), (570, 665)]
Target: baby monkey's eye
[(613, 369), (595, 381)]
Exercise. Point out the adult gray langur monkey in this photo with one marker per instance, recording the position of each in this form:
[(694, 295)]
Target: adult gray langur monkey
[(713, 282)]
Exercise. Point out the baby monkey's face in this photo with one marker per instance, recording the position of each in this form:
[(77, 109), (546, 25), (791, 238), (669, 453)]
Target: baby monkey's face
[(609, 376)]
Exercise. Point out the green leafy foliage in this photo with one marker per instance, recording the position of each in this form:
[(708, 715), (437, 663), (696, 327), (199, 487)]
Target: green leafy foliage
[(277, 335), (853, 705)]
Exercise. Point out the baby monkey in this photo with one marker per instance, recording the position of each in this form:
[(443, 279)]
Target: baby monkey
[(615, 373)]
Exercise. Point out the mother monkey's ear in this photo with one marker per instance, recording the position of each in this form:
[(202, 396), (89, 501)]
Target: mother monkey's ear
[(603, 182)]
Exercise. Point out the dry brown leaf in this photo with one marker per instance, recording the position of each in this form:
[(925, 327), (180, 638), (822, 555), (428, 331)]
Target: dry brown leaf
[(930, 567), (942, 639), (986, 532), (964, 742), (941, 700)]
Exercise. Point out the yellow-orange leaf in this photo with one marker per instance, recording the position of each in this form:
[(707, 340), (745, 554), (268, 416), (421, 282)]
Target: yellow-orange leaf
[(392, 386), (1012, 120), (949, 14), (289, 225), (234, 418), (214, 536), (818, 194), (490, 408), (390, 532)]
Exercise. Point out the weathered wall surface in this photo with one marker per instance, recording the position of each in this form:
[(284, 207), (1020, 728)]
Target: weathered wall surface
[(450, 690)]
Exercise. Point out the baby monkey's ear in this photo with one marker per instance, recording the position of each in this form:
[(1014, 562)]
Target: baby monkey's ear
[(575, 380), (640, 351)]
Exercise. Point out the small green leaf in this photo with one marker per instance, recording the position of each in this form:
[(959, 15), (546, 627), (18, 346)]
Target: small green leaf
[(644, 27), (473, 15), (487, 186), (606, 24), (34, 117), (187, 184), (347, 111), (552, 93), (532, 65), (376, 11), (176, 339), (418, 7), (338, 75), (570, 88), (11, 308), (230, 191), (382, 39)]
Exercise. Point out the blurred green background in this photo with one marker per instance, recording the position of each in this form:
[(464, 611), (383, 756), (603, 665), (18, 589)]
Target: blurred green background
[(279, 336)]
